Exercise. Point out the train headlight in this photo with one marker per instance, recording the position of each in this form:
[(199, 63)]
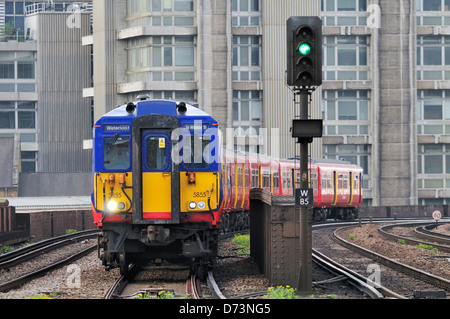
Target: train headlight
[(192, 205), (112, 206), (201, 205), (121, 206)]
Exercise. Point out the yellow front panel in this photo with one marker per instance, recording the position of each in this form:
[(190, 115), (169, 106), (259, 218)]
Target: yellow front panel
[(205, 184), (118, 196), (156, 192)]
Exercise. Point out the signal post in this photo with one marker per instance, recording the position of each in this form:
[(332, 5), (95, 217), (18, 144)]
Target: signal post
[(304, 75)]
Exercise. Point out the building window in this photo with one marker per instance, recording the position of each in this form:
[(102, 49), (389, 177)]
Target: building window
[(185, 96), (160, 12), (344, 5), (246, 13), (344, 12), (17, 115), (433, 5), (433, 57), (28, 161), (427, 9), (247, 118), (167, 58), (17, 65), (433, 111), (346, 112), (434, 166), (345, 58), (246, 58)]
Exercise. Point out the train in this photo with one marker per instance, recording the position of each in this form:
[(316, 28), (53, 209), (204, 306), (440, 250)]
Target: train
[(164, 187)]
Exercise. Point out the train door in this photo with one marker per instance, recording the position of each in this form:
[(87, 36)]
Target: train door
[(225, 185), (230, 186), (350, 199), (293, 181), (156, 176), (335, 188)]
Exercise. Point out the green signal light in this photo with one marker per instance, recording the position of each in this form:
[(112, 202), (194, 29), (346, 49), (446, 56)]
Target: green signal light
[(304, 49)]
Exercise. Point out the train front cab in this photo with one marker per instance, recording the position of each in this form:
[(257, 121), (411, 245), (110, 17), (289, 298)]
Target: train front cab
[(157, 195)]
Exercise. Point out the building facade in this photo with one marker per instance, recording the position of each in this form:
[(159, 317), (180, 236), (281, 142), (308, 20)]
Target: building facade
[(43, 70), (385, 96)]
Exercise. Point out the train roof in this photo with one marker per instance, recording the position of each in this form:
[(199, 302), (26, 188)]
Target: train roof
[(135, 109), (326, 161)]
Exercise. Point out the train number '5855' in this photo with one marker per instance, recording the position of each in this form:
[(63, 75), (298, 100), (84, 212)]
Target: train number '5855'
[(200, 194)]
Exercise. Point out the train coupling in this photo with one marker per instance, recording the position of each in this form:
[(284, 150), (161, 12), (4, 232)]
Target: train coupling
[(155, 233)]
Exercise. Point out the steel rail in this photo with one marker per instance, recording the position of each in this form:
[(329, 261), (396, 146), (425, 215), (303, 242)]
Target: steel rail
[(193, 287), (115, 287), (425, 232), (406, 269), (360, 282), (384, 231), (215, 288), (38, 273), (26, 253)]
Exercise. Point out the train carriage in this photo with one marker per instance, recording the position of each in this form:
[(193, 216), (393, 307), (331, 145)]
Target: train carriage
[(163, 187), (156, 166)]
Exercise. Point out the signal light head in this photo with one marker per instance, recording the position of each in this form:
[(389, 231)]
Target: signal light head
[(304, 32), (304, 49), (305, 77), (304, 62)]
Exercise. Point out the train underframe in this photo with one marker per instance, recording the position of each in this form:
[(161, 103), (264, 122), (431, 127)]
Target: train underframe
[(193, 244), (338, 213), (120, 245)]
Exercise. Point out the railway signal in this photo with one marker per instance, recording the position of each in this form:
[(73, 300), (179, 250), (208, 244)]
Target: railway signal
[(304, 51), (304, 75)]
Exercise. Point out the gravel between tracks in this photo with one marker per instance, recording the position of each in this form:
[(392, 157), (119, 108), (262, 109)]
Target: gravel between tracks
[(86, 278)]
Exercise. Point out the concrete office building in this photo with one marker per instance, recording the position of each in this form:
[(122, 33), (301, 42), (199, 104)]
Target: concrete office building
[(43, 70), (386, 99)]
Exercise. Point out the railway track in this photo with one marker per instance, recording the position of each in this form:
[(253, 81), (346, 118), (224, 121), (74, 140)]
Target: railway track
[(141, 283), (22, 255), (425, 231), (432, 281), (28, 252), (372, 289), (421, 234)]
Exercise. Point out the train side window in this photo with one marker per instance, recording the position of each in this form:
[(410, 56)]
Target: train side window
[(314, 181), (356, 181), (340, 181), (246, 177), (239, 176), (289, 176), (276, 180), (255, 178), (196, 151), (266, 179), (116, 152)]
